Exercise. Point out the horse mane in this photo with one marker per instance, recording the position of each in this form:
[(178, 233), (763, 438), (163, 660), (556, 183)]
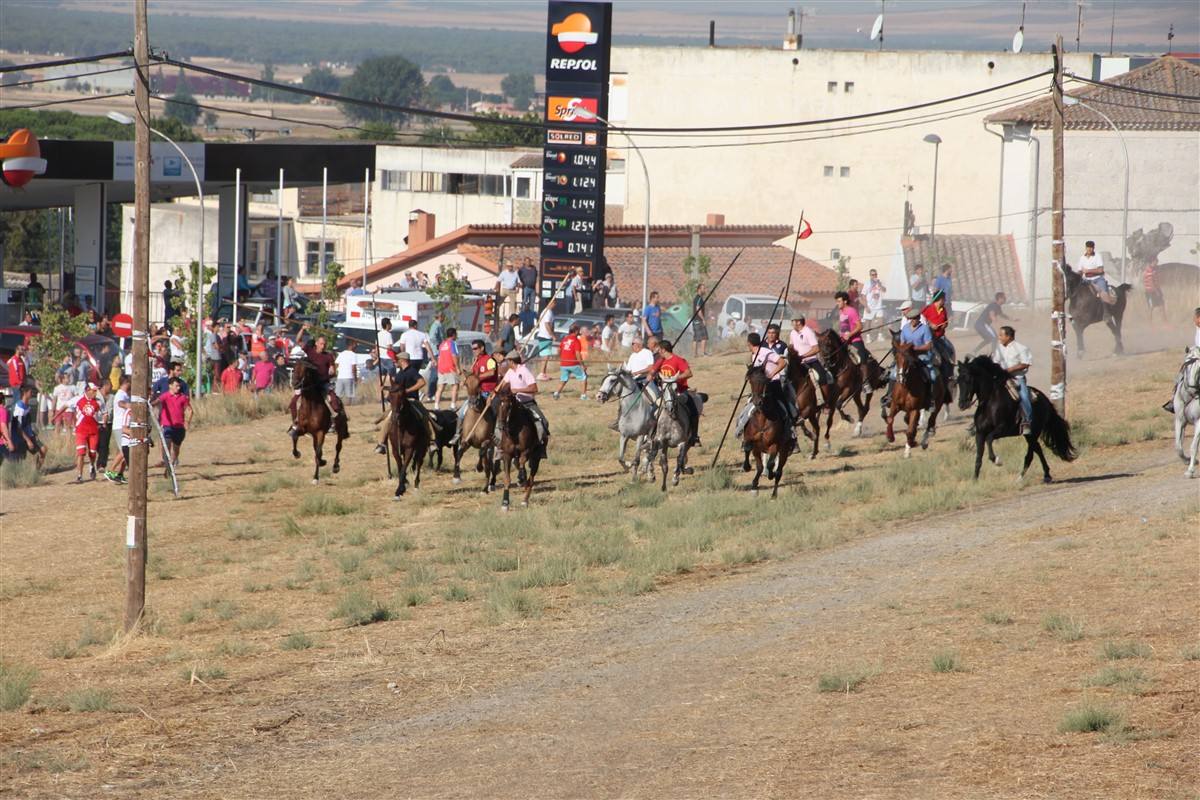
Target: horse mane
[(988, 368), (773, 388)]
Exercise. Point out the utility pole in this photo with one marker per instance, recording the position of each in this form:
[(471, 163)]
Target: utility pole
[(1058, 317), (135, 532)]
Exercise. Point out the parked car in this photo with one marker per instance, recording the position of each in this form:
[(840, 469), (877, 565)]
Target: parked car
[(751, 312), (100, 351)]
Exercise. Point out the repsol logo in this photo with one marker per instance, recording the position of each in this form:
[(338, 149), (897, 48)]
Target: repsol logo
[(573, 63)]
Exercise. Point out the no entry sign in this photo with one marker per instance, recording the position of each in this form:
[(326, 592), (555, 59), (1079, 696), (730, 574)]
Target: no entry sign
[(122, 325)]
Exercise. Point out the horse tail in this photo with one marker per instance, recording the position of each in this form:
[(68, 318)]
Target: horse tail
[(1057, 436)]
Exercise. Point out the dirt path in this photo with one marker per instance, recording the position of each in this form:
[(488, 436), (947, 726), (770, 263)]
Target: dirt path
[(709, 691)]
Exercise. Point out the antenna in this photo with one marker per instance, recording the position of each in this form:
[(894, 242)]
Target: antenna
[(1112, 31), (1170, 36), (1078, 23), (1019, 37)]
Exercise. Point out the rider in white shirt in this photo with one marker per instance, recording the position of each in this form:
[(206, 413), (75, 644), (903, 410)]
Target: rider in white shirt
[(1015, 359), (1091, 267)]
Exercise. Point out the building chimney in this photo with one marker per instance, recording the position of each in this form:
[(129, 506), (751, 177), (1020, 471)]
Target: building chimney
[(714, 220), (420, 227), (789, 41)]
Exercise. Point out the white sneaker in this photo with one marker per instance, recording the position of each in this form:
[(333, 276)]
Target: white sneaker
[(555, 395), (583, 395)]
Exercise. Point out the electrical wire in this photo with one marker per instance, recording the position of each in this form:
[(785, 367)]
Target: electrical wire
[(87, 99), (1133, 89), (62, 62), (80, 77)]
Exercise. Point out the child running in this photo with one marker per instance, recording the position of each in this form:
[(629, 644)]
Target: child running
[(174, 414), (87, 430)]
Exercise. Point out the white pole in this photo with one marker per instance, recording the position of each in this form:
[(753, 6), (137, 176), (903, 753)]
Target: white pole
[(279, 253), (237, 238), (324, 217), (366, 222)]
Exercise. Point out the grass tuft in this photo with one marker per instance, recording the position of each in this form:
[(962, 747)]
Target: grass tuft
[(1122, 677), (358, 608), (271, 484), (20, 474), (296, 641), (456, 593), (506, 602), (1114, 651), (16, 685), (323, 505), (1063, 627), (1092, 719), (1190, 653), (88, 700), (842, 680), (396, 543), (213, 672), (946, 661), (998, 618)]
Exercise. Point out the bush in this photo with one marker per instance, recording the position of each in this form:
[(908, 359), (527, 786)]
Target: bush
[(357, 608), (296, 641), (16, 685), (1068, 629), (88, 700), (842, 680), (1089, 719), (946, 661), (1114, 651)]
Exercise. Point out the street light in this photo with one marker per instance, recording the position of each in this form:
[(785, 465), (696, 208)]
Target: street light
[(125, 119), (935, 140), (589, 115), (1075, 101)]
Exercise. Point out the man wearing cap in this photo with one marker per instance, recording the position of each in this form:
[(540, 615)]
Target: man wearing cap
[(408, 379), (917, 334), (1015, 359), (87, 430), (524, 387), (486, 368), (937, 317), (508, 283), (803, 342), (1091, 267), (670, 364)]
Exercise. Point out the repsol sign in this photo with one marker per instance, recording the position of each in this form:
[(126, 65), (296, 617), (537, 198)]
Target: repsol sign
[(588, 64)]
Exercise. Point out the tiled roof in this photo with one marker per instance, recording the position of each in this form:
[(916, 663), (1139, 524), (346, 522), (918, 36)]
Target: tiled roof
[(984, 263), (528, 161), (1128, 110)]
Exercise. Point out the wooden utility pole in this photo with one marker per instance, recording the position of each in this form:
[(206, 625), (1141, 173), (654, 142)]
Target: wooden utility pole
[(1058, 317), (135, 532)]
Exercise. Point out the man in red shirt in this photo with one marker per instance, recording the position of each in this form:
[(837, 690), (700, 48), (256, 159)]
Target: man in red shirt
[(87, 430), (569, 350), (938, 318), (16, 368), (174, 414), (675, 366)]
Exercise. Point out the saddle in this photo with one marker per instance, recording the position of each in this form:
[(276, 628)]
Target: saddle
[(1109, 297), (855, 358)]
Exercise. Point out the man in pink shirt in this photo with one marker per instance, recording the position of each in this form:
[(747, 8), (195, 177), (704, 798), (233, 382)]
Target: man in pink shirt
[(174, 414), (803, 341), (850, 328), (524, 386), (263, 372)]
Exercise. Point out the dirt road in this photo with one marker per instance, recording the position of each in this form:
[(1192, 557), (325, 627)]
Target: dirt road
[(709, 691)]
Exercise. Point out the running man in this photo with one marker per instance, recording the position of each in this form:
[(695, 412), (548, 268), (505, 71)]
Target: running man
[(569, 351), (174, 414), (87, 430)]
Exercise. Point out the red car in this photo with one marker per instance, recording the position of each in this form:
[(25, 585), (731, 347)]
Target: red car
[(100, 351)]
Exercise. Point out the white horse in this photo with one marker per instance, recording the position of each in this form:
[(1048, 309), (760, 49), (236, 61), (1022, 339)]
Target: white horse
[(635, 418), (1186, 403)]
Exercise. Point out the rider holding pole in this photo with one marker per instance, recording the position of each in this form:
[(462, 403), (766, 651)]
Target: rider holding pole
[(317, 354)]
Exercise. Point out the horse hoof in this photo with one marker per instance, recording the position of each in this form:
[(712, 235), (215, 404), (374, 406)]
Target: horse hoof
[(858, 428), (322, 463), (907, 451), (996, 461), (1189, 473), (295, 454), (316, 481), (337, 468), (457, 481), (812, 457), (1047, 479), (754, 492), (524, 504), (504, 507), (925, 445)]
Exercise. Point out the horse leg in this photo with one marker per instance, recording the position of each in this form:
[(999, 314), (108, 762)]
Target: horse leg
[(911, 423), (457, 452), (758, 471), (978, 450), (417, 462), (1037, 448), (507, 461), (864, 408), (992, 457), (1114, 325), (925, 422), (815, 419), (295, 441), (680, 463), (783, 457), (402, 469), (337, 454), (1030, 445), (318, 437), (533, 468), (662, 463), (621, 451), (1191, 470), (1078, 340)]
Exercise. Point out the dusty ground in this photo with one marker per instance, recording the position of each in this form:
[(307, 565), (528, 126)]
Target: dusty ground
[(685, 664)]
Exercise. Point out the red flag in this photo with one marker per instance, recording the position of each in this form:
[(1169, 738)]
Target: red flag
[(805, 230)]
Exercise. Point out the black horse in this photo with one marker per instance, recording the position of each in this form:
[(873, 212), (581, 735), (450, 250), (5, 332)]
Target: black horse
[(447, 421), (1086, 308), (998, 416)]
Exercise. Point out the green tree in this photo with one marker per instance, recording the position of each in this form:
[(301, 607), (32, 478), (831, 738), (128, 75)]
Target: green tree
[(386, 79), (9, 78), (499, 133), (519, 88), (334, 272), (441, 91), (448, 291), (321, 79), (59, 331), (182, 105), (843, 273), (262, 92), (695, 272), (377, 132)]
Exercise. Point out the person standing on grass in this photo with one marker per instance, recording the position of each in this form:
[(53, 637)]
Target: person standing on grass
[(568, 360), (212, 353), (174, 414), (609, 339), (1154, 295), (346, 365), (437, 335), (261, 373), (652, 316), (873, 293), (18, 370), (627, 331), (416, 344), (699, 324), (87, 430), (104, 419), (231, 378), (543, 338), (120, 424), (447, 367), (24, 425), (383, 339)]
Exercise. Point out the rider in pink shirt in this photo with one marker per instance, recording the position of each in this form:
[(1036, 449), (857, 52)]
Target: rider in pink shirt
[(524, 386)]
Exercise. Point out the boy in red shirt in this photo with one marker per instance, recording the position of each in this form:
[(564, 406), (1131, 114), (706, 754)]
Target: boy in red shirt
[(569, 350), (172, 407), (87, 431), (231, 378), (938, 317)]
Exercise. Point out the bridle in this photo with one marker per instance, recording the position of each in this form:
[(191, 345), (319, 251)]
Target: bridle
[(304, 376)]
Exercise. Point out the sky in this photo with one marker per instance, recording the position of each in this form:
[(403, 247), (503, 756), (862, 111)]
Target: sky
[(1141, 25)]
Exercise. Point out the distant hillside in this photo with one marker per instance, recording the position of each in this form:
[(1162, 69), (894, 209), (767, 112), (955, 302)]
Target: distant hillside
[(46, 29)]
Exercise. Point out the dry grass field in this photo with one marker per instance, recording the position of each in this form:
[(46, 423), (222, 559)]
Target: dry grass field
[(886, 628)]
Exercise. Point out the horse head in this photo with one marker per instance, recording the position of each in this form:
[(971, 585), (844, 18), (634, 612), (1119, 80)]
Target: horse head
[(303, 374), (757, 380), (504, 402), (967, 390), (1071, 279), (830, 346), (616, 379)]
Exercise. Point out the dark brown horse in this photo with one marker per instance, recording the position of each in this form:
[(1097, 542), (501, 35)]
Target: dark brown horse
[(919, 398), (408, 434), (767, 431), (519, 441), (806, 401), (478, 430), (848, 377), (1086, 308), (313, 417)]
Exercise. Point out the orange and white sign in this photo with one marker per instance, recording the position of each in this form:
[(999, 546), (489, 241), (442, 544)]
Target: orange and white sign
[(21, 158), (568, 109), (574, 33)]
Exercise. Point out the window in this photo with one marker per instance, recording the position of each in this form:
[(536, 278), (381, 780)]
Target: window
[(261, 250), (523, 187), (312, 256), (393, 180), (264, 197), (828, 171), (426, 182), (831, 87), (835, 254), (492, 185), (848, 87), (845, 172)]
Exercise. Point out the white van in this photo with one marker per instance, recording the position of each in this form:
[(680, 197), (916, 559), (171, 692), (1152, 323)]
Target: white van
[(752, 311), (363, 311)]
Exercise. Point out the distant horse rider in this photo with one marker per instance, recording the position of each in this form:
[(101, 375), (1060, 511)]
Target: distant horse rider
[(524, 387), (775, 366), (850, 328), (673, 365), (937, 316), (1091, 267), (1015, 359), (317, 355), (804, 341), (408, 379)]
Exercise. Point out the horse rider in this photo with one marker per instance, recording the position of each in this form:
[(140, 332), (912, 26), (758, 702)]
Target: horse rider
[(486, 369), (1015, 359), (673, 365), (408, 379), (322, 360), (639, 364), (773, 341), (804, 341), (917, 334), (850, 329), (776, 368), (938, 318), (524, 387), (1091, 267), (1190, 355)]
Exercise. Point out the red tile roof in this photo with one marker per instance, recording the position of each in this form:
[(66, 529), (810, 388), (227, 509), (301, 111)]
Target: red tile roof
[(983, 263), (1128, 110)]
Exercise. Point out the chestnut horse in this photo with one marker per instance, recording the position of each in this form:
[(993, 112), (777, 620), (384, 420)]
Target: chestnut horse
[(478, 429), (915, 395), (313, 417), (767, 429), (408, 434), (519, 441), (848, 377), (806, 401)]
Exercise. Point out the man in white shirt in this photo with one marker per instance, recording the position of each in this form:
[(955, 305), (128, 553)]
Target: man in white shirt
[(608, 335), (383, 339), (627, 330), (543, 337), (347, 374), (1091, 267), (918, 285), (803, 340), (874, 291), (1015, 359), (416, 343), (508, 282)]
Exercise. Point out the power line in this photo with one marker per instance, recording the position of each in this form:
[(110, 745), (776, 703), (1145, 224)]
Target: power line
[(62, 62), (67, 77), (1151, 92), (86, 99)]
